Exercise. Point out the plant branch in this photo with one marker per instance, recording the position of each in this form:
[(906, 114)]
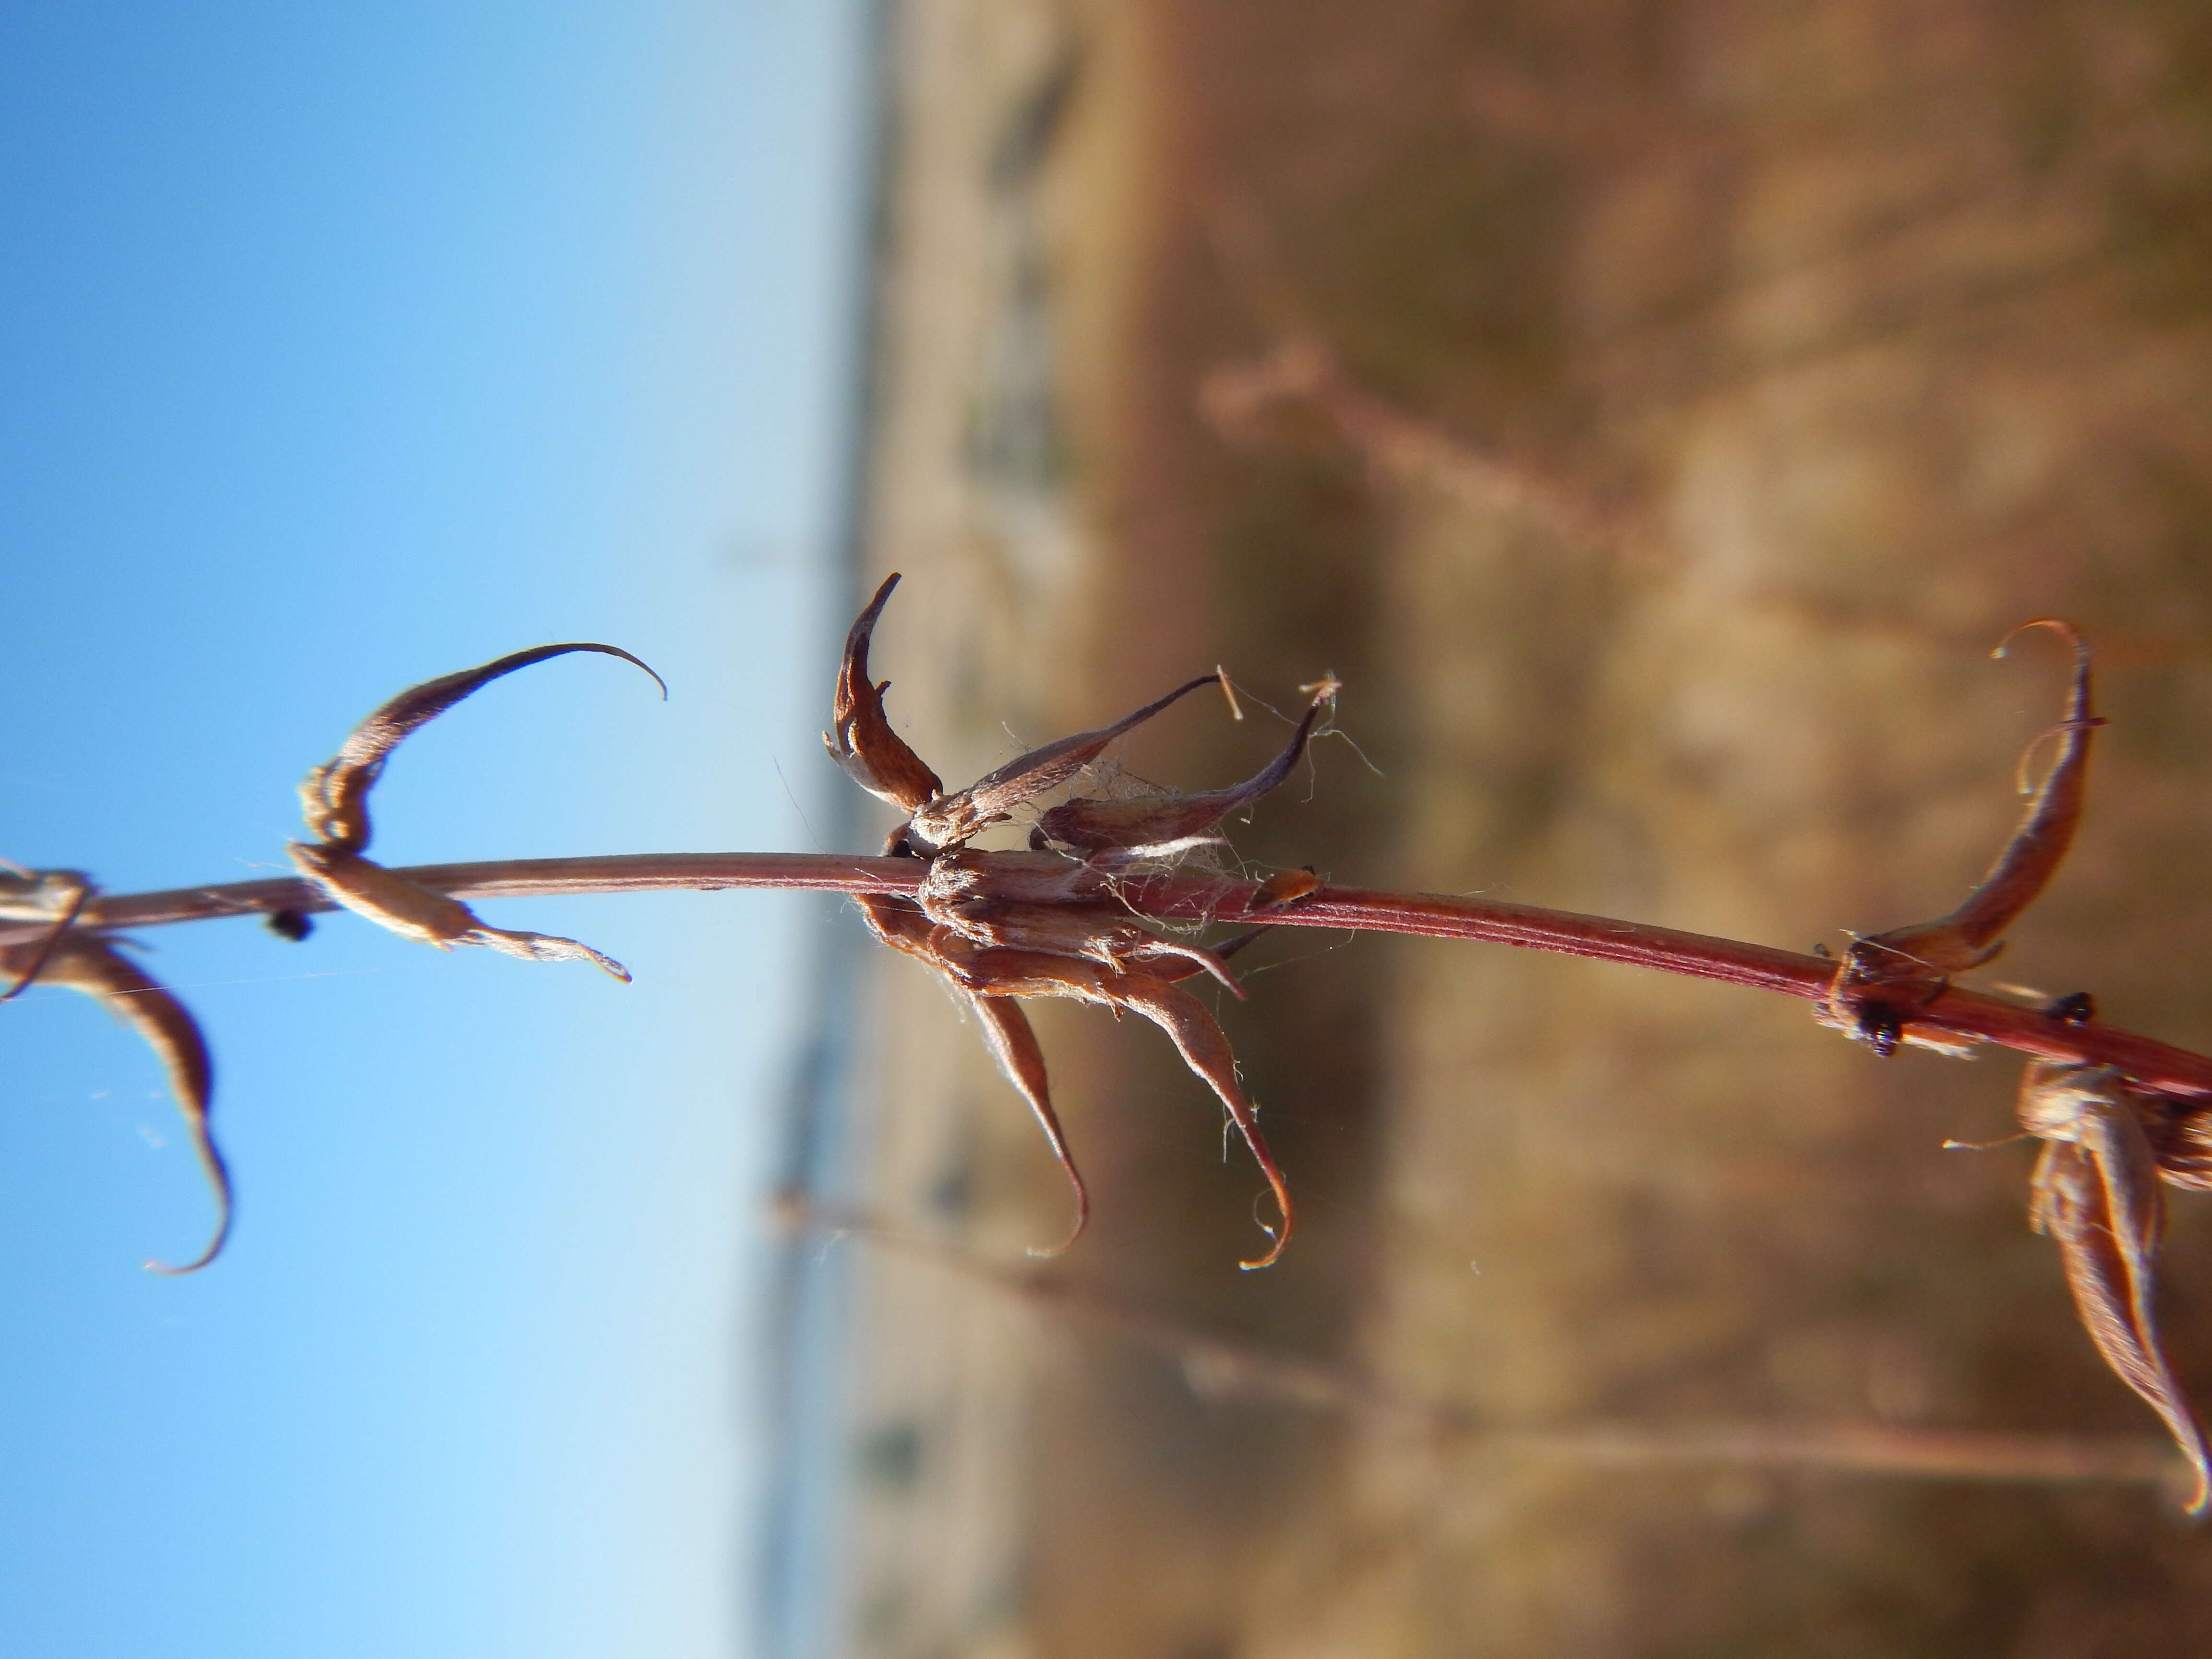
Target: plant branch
[(1960, 1013)]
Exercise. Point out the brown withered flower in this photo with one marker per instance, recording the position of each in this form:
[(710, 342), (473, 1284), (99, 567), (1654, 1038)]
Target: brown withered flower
[(91, 962), (1002, 927), (335, 798)]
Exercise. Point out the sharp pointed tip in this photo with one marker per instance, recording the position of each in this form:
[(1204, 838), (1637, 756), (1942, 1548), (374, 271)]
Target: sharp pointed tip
[(1273, 1255), (178, 1270), (221, 1237), (1049, 1252), (2195, 1451)]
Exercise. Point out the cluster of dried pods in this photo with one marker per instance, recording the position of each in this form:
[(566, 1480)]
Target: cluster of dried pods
[(1058, 919), (1002, 925)]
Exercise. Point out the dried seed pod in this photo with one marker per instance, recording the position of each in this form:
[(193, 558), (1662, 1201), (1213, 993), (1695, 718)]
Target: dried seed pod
[(335, 796), (1156, 822), (952, 819), (2096, 1192), (85, 963), (861, 739), (1885, 975)]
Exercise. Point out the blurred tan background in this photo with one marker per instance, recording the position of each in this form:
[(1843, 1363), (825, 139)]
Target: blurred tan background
[(1653, 413)]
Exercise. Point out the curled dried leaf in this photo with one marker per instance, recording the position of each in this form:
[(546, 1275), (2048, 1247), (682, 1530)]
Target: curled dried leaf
[(861, 739), (2096, 1192), (952, 819), (85, 963), (1884, 975), (335, 795), (1156, 821), (390, 900)]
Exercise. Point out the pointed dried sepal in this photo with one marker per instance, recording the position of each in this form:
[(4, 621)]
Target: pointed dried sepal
[(952, 819), (1204, 1046), (1156, 822), (1013, 1044), (2096, 1192), (1197, 1036), (335, 795), (85, 963), (861, 739), (390, 901), (1885, 975)]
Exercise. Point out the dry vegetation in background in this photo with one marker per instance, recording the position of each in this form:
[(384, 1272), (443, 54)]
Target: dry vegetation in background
[(1650, 414)]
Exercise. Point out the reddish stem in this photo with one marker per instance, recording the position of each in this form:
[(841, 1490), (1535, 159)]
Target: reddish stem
[(2156, 1066)]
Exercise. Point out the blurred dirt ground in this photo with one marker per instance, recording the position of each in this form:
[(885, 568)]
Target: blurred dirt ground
[(1653, 413)]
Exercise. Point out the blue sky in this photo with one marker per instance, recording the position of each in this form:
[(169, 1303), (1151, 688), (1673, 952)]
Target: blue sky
[(345, 345)]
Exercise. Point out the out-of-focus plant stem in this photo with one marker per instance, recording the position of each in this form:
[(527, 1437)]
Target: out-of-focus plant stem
[(1218, 1363)]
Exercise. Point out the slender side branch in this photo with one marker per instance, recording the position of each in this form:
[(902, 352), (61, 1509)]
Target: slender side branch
[(1217, 1363), (1959, 1013)]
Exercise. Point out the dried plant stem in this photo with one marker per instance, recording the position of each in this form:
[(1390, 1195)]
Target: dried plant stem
[(1221, 1366), (2156, 1066)]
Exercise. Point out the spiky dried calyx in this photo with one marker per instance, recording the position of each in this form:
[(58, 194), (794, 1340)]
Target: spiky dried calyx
[(1001, 928)]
